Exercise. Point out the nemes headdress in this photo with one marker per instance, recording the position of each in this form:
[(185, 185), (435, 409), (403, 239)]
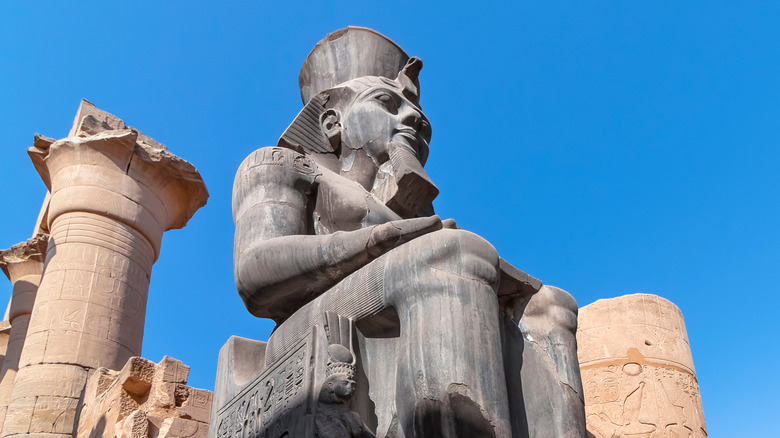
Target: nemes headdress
[(344, 55)]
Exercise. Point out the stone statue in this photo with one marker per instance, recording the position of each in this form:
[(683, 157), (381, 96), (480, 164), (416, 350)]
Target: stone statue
[(337, 220)]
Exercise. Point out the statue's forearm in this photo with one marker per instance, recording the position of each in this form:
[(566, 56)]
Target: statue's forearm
[(276, 276), (296, 267)]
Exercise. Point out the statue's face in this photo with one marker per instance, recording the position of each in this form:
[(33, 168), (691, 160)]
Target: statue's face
[(344, 387), (380, 115), (383, 142)]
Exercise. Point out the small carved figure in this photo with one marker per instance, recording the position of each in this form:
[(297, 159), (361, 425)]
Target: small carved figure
[(334, 419)]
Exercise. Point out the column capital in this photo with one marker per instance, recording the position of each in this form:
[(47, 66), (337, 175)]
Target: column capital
[(23, 264), (108, 168), (25, 258)]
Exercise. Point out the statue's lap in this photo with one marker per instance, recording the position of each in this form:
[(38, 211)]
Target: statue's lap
[(425, 267)]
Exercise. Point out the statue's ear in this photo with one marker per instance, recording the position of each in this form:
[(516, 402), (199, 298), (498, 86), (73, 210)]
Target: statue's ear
[(330, 123)]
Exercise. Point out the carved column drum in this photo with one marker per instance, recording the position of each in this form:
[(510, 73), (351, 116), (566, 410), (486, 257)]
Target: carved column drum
[(637, 370)]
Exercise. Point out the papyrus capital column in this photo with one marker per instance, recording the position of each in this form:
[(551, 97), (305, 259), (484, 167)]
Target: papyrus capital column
[(114, 192), (637, 369), (23, 265)]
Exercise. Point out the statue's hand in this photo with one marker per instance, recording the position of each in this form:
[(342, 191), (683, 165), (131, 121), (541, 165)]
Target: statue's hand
[(391, 234)]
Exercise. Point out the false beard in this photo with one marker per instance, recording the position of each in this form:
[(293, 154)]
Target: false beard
[(402, 183)]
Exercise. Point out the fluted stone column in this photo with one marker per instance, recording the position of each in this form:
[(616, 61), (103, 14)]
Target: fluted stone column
[(637, 370), (114, 192), (23, 265)]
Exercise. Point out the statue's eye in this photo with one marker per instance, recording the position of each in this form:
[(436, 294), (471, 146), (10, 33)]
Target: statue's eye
[(387, 100), (383, 97)]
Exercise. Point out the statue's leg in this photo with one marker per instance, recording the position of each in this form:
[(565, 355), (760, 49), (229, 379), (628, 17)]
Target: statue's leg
[(450, 379), (548, 381)]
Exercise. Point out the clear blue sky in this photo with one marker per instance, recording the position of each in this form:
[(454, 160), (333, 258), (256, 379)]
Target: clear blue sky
[(605, 147)]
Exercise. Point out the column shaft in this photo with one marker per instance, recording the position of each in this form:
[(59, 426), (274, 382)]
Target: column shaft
[(114, 192), (23, 264), (89, 313), (637, 369)]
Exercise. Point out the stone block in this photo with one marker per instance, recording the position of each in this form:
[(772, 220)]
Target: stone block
[(137, 375), (182, 428), (237, 365), (197, 405), (173, 371), (17, 418), (135, 425), (47, 415), (144, 399)]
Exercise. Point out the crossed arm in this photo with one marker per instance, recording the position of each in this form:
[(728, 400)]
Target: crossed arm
[(278, 266)]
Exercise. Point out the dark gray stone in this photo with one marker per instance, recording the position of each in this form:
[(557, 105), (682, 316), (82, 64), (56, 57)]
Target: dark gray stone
[(390, 321)]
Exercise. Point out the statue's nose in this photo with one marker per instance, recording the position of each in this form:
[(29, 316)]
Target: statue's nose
[(411, 117)]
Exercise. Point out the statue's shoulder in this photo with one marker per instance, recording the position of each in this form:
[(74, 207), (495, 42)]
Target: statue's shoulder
[(273, 173), (279, 160)]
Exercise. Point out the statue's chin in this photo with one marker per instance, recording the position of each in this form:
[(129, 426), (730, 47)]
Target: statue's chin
[(403, 184)]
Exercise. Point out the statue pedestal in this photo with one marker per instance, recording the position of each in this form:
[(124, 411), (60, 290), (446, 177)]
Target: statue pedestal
[(257, 401)]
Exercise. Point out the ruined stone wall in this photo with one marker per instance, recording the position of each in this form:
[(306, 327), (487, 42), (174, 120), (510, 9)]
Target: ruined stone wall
[(144, 400)]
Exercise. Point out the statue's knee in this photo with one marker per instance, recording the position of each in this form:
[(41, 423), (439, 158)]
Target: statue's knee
[(461, 253), (449, 262), (552, 306)]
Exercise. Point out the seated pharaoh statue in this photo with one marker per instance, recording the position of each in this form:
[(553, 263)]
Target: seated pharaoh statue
[(391, 322)]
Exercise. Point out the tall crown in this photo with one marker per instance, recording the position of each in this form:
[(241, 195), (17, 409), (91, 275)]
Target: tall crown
[(346, 54), (346, 369)]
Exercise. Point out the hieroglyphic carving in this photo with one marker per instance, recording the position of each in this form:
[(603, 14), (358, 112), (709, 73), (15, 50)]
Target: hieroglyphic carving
[(110, 282), (276, 156), (174, 371), (91, 268), (201, 398), (651, 399), (265, 408), (637, 370)]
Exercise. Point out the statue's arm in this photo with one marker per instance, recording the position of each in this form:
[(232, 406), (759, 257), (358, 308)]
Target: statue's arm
[(278, 266)]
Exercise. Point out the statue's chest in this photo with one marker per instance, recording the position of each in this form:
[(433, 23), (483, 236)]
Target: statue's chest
[(344, 205)]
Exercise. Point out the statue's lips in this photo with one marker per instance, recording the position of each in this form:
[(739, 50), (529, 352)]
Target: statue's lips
[(406, 138)]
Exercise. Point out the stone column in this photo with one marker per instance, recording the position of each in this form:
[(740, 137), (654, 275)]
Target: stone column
[(5, 332), (637, 370), (23, 265), (114, 192)]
